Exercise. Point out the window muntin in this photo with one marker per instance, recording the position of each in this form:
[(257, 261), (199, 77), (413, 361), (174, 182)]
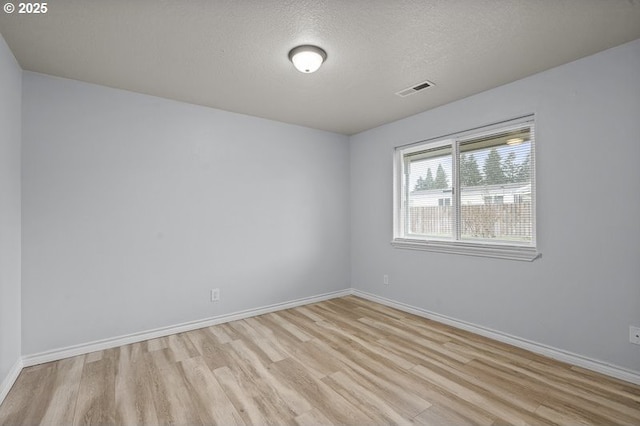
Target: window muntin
[(484, 196)]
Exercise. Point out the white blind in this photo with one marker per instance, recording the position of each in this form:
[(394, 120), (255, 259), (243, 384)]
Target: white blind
[(429, 187), (496, 187)]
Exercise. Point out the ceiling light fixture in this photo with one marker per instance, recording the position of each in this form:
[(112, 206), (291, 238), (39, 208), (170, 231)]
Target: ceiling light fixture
[(515, 141), (307, 59)]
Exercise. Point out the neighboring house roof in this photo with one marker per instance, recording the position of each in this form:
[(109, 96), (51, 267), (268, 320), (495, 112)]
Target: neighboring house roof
[(508, 188)]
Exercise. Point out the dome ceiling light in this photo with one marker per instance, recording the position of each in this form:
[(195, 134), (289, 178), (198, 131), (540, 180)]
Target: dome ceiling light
[(307, 58)]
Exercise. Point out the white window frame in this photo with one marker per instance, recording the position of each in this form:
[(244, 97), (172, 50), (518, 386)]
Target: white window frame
[(485, 248)]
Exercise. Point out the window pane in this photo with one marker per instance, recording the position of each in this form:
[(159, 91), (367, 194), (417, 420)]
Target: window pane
[(495, 187), (429, 193)]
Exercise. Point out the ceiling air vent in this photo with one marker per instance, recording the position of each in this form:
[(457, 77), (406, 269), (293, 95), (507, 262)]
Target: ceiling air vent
[(414, 89)]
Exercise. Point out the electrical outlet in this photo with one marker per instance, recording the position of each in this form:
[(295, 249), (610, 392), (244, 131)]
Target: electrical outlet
[(634, 335), (215, 294), (385, 279)]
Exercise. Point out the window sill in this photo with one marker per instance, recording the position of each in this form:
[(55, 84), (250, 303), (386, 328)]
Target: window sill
[(527, 254)]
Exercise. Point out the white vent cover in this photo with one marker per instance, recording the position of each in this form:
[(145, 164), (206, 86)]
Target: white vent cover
[(414, 89)]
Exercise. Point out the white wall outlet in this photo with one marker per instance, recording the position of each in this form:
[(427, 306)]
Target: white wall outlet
[(215, 294), (634, 334), (385, 279)]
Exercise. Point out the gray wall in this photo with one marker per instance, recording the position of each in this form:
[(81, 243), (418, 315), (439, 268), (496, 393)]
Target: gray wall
[(134, 207), (10, 130), (583, 294)]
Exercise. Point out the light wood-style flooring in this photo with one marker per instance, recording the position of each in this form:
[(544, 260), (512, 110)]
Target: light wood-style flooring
[(343, 361)]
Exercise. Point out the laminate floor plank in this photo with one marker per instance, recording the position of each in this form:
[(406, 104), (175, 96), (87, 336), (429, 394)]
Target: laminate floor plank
[(618, 412), (62, 405), (329, 403), (171, 395), (359, 396), (227, 329), (623, 386), (400, 390), (258, 325), (415, 354), (354, 328), (97, 394), (493, 405), (421, 343), (302, 321), (553, 398), (93, 356), (331, 310), (244, 403), (219, 334), (592, 384), (474, 351), (409, 329), (565, 416), (181, 347), (253, 377), (312, 418), (290, 327), (439, 415), (213, 403), (296, 402), (244, 330), (160, 359), (341, 361), (304, 311), (156, 344), (254, 387), (266, 349), (484, 384), (317, 363), (372, 310), (214, 353), (371, 347), (28, 400), (134, 400)]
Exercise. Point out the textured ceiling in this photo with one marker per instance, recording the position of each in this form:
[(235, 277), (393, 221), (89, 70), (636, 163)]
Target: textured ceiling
[(232, 54)]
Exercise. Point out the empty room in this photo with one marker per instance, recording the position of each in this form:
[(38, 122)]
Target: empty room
[(319, 212)]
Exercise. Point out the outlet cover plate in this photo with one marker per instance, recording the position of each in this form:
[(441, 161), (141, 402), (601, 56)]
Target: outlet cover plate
[(634, 335), (215, 294)]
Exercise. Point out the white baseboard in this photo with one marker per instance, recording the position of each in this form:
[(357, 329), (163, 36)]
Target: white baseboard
[(557, 354), (7, 383), (99, 345)]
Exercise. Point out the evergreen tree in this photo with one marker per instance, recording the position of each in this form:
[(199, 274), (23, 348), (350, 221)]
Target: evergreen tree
[(493, 173), (428, 182), (524, 170), (425, 183), (474, 177), (441, 181), (469, 171), (463, 167), (510, 168)]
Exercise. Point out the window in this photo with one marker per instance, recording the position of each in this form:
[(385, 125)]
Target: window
[(469, 193), (494, 199)]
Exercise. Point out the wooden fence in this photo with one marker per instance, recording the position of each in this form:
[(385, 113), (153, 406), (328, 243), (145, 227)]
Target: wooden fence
[(511, 221)]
